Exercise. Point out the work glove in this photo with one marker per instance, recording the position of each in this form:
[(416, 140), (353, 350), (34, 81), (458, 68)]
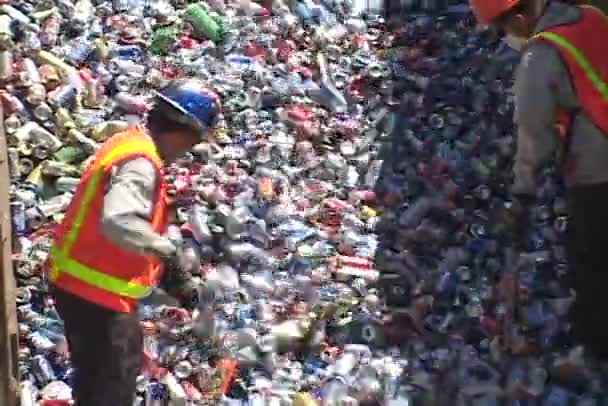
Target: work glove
[(176, 282), (190, 292), (170, 253), (162, 248), (517, 220), (179, 283)]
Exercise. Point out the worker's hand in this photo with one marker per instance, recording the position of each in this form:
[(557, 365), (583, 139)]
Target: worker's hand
[(177, 282), (517, 220), (171, 256), (177, 261), (190, 293), (183, 287), (162, 248)]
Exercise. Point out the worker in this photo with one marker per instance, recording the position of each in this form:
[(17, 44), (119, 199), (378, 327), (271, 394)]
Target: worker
[(561, 109), (109, 249)]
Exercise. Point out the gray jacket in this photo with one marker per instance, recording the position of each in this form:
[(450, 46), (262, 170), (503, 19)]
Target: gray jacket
[(128, 205), (542, 84)]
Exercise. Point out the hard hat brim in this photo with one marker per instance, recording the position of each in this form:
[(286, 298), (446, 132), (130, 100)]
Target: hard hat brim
[(487, 12), (180, 115)]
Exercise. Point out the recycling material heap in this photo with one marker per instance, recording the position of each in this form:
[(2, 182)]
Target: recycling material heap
[(345, 220)]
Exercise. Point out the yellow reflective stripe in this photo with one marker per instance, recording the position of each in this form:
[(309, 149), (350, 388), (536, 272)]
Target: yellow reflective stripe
[(98, 279), (72, 234), (54, 274), (83, 209), (136, 146), (582, 61)]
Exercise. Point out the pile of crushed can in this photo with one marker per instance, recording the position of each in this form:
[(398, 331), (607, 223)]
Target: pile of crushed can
[(345, 219)]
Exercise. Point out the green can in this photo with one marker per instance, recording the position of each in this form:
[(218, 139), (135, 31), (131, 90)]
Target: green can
[(163, 40), (205, 24)]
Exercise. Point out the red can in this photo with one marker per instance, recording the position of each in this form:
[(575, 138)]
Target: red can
[(286, 48), (367, 195), (303, 71), (252, 50), (192, 392), (50, 31), (187, 42), (359, 41), (352, 262), (55, 402), (299, 113)]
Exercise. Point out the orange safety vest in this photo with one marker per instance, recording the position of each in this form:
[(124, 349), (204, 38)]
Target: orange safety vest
[(82, 261), (582, 47)]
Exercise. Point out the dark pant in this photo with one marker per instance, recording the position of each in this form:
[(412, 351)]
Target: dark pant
[(105, 348), (587, 248)]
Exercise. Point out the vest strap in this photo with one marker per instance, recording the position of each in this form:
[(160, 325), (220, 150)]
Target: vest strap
[(580, 58)]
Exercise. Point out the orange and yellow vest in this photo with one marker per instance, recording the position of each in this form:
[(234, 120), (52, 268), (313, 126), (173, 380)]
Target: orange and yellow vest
[(85, 263), (582, 46)]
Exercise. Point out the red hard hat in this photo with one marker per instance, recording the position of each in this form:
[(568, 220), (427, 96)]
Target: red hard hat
[(487, 11)]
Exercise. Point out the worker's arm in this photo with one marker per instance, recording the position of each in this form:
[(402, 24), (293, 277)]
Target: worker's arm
[(538, 79), (128, 206)]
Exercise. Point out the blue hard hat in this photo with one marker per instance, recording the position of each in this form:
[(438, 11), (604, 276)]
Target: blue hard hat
[(191, 103)]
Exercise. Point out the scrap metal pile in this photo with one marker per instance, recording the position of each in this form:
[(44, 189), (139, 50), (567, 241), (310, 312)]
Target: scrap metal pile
[(345, 219)]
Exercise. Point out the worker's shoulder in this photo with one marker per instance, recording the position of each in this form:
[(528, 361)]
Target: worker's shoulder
[(557, 14), (539, 56), (541, 48), (136, 166)]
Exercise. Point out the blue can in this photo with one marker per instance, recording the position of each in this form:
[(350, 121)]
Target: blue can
[(239, 61), (314, 366), (18, 217), (67, 376), (328, 294), (557, 396), (246, 315), (299, 265), (79, 51), (129, 52), (42, 370), (64, 96), (246, 140), (155, 393)]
